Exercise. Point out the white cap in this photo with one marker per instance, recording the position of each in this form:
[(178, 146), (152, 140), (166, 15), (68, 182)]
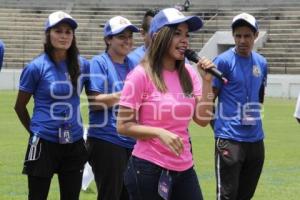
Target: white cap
[(171, 16), (118, 24), (247, 18), (57, 17)]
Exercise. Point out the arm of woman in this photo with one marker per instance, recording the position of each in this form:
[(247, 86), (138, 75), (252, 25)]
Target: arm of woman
[(204, 103), (99, 101), (98, 96), (21, 109), (127, 125)]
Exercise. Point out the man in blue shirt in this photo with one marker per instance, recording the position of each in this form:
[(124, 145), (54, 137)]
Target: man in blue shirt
[(239, 147), (2, 48), (137, 54)]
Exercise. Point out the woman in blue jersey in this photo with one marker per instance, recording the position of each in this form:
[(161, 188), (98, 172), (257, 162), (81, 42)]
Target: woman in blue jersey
[(54, 79), (108, 150)]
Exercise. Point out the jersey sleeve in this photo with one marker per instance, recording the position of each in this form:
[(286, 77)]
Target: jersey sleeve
[(221, 66), (29, 79), (265, 74)]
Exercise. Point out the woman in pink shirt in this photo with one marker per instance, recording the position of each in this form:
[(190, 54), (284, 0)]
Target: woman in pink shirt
[(159, 99)]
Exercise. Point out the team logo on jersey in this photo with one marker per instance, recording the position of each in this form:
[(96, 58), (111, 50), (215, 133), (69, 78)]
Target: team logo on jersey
[(256, 71)]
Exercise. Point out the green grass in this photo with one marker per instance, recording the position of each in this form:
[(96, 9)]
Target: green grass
[(280, 178)]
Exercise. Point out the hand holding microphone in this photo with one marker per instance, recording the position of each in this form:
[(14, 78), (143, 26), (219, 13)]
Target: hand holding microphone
[(193, 56)]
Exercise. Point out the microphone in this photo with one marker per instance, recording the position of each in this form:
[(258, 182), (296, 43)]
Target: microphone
[(193, 56)]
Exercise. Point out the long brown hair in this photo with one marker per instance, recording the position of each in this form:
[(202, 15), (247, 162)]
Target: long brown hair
[(154, 57), (72, 57)]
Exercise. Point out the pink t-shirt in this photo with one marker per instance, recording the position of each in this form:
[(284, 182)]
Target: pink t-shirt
[(171, 110)]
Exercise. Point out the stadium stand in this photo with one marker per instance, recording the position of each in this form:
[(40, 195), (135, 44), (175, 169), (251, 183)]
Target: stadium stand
[(21, 27)]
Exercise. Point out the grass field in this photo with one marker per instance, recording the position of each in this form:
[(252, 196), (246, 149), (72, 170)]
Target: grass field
[(280, 178)]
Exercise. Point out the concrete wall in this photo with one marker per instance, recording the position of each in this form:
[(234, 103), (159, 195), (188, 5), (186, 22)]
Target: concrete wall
[(286, 86), (9, 79), (283, 86)]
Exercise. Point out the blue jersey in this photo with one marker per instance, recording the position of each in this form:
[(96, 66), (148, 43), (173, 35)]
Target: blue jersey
[(136, 55), (56, 101), (106, 78), (240, 96), (2, 48)]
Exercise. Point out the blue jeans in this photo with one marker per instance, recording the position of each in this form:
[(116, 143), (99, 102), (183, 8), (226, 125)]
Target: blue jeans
[(142, 177)]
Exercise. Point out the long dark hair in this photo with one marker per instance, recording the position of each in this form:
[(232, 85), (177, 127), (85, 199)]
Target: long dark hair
[(106, 42), (154, 57), (72, 57)]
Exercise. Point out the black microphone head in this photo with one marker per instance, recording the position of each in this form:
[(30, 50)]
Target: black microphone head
[(191, 55)]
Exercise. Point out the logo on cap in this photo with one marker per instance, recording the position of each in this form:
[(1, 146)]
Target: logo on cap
[(171, 16), (123, 21), (59, 16), (117, 24)]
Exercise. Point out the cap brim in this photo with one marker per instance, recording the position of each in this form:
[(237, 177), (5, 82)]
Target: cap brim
[(194, 22), (243, 20), (130, 27), (69, 21)]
